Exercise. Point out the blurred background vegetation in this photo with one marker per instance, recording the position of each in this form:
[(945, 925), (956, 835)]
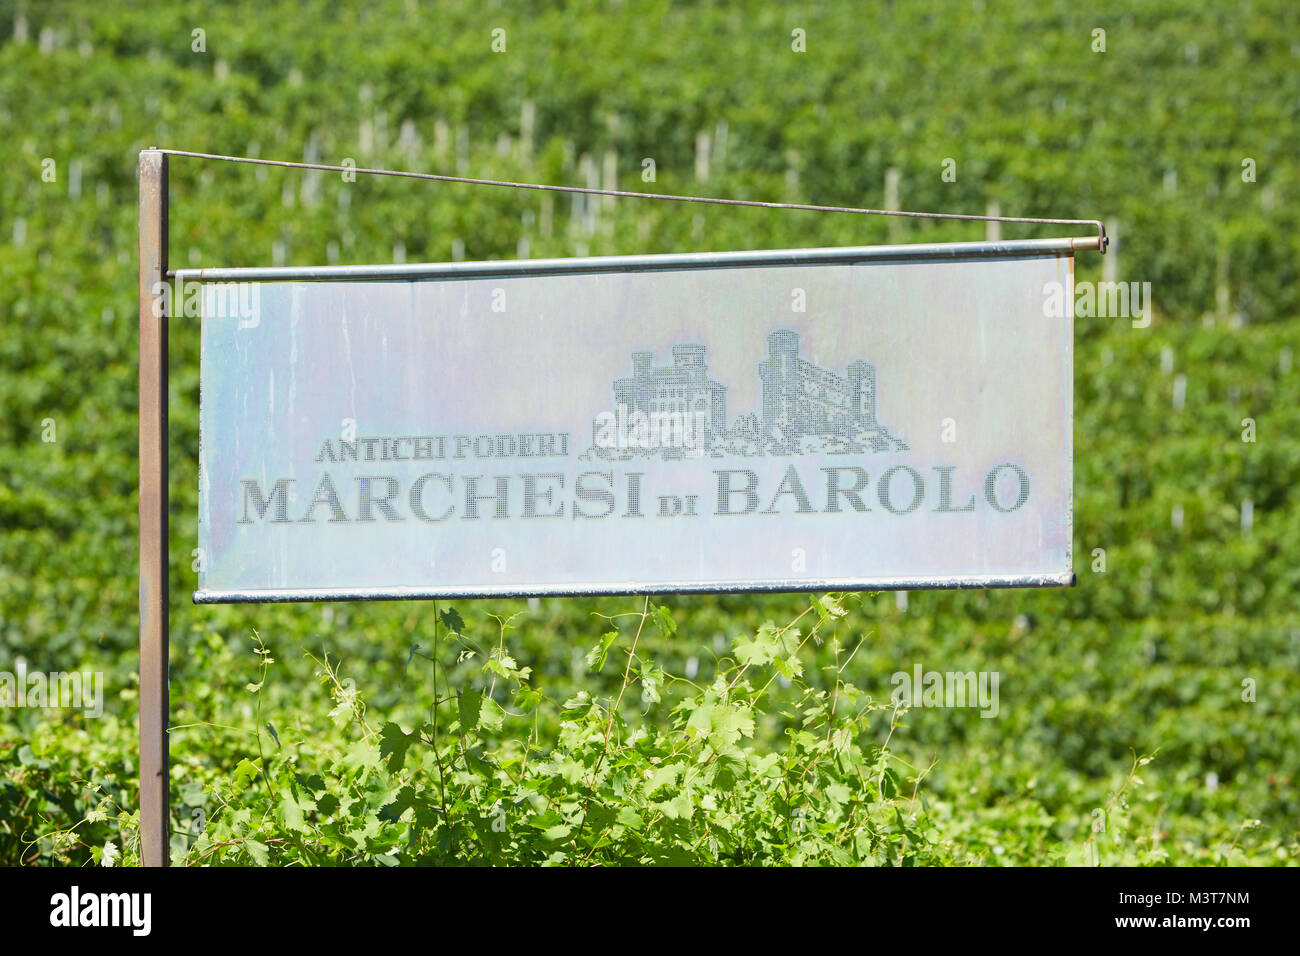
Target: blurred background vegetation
[(1149, 654)]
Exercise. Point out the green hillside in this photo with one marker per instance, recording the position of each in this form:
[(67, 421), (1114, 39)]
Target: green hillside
[(792, 758)]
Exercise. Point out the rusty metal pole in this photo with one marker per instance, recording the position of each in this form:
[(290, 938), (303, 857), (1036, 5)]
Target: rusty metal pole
[(154, 797)]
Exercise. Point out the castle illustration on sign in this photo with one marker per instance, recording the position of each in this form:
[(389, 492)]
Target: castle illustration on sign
[(678, 411)]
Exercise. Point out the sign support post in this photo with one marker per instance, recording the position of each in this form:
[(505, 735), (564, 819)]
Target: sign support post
[(154, 797)]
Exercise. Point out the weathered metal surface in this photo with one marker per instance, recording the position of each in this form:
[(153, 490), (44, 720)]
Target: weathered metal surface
[(154, 796), (880, 417)]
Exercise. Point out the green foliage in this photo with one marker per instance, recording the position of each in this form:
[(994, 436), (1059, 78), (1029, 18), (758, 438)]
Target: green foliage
[(610, 788), (708, 729)]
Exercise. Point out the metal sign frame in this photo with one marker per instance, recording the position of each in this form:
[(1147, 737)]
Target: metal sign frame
[(154, 274)]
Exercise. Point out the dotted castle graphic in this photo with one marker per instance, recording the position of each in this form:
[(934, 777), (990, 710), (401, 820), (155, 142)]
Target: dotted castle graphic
[(678, 411)]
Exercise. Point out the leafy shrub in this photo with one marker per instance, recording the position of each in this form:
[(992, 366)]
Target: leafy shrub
[(477, 783)]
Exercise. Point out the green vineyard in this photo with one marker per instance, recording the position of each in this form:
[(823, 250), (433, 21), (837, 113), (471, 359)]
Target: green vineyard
[(1146, 716)]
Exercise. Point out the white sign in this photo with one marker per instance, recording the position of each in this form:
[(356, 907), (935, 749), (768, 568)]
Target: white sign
[(884, 423)]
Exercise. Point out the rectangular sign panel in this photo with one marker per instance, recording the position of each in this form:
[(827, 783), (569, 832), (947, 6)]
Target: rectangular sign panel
[(775, 421)]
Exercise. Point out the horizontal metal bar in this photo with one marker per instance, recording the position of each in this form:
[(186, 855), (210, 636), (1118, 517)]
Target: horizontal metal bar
[(846, 255), (1064, 579)]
